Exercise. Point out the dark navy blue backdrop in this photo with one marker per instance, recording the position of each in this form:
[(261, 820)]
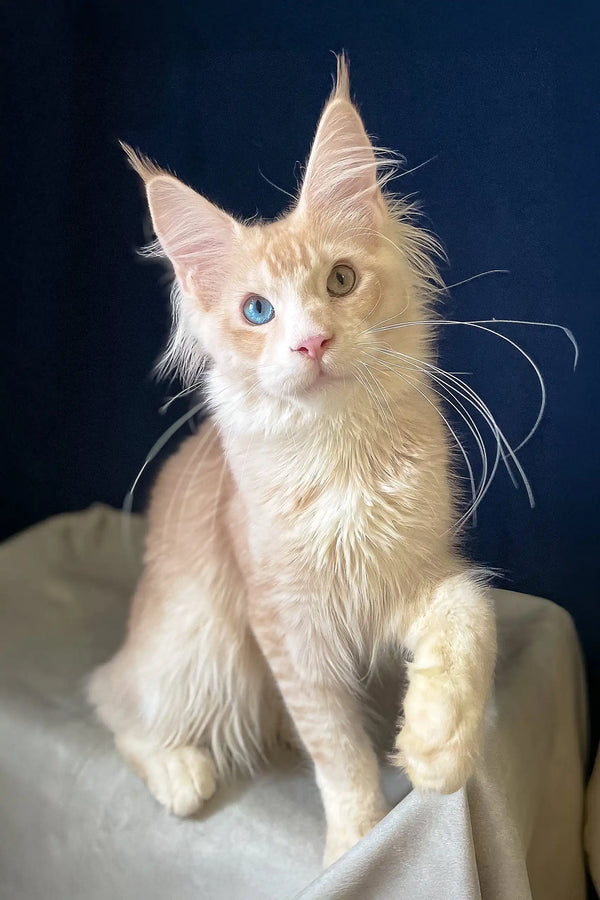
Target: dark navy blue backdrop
[(504, 97)]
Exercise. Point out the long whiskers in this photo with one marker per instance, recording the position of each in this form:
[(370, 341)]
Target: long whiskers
[(450, 394), (384, 419), (165, 437), (401, 373), (449, 287), (483, 325), (207, 442), (454, 385), (188, 390)]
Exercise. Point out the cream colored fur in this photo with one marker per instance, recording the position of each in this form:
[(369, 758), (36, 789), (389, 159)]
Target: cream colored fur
[(306, 530)]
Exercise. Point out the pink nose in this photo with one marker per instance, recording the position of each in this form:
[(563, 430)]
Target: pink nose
[(314, 347)]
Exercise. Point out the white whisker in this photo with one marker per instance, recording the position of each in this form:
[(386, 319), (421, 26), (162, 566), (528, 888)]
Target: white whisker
[(486, 478), (384, 420), (165, 437), (188, 390), (449, 287), (482, 324), (448, 425), (471, 396), (206, 446)]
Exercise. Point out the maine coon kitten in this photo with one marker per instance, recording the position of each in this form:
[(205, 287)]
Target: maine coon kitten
[(307, 528)]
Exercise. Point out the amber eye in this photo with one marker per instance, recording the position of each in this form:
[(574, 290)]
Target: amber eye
[(341, 280)]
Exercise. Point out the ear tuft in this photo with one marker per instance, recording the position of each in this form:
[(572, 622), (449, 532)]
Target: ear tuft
[(341, 90), (193, 233), (145, 167), (341, 174)]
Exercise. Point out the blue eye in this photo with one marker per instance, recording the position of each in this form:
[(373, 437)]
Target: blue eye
[(257, 310)]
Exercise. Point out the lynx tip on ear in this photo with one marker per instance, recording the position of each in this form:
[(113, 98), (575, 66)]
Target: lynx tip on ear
[(145, 168), (342, 81)]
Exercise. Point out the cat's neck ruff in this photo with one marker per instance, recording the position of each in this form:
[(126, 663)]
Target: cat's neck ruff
[(368, 468), (351, 417), (352, 436)]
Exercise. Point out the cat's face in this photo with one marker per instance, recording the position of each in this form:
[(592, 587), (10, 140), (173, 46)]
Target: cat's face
[(288, 309), (293, 315)]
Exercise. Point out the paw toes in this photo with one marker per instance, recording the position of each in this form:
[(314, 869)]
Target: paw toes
[(201, 771), (443, 769), (181, 779)]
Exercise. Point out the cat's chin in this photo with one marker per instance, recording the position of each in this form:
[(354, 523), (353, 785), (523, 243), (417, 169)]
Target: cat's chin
[(326, 393), (322, 382), (315, 383)]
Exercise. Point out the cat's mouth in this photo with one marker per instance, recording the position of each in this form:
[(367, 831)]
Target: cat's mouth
[(321, 380), (310, 381)]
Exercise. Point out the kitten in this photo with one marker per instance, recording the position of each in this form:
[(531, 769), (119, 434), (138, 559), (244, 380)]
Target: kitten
[(306, 530)]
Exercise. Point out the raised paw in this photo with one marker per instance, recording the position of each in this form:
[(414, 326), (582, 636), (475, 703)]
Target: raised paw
[(439, 741), (181, 778)]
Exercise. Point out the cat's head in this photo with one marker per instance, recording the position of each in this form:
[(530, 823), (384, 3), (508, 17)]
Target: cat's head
[(287, 311)]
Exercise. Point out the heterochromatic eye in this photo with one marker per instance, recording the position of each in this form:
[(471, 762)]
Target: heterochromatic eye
[(341, 280), (257, 310)]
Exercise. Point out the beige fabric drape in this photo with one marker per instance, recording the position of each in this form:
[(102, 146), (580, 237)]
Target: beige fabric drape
[(75, 824)]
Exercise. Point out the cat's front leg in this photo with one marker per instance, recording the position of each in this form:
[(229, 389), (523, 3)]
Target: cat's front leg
[(328, 719), (454, 648)]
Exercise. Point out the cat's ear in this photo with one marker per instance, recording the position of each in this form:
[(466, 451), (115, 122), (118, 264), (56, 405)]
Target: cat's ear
[(195, 234), (341, 174)]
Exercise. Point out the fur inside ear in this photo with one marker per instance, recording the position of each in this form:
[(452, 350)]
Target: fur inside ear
[(195, 234), (341, 174)]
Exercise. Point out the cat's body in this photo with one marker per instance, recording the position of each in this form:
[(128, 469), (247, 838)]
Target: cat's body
[(306, 531)]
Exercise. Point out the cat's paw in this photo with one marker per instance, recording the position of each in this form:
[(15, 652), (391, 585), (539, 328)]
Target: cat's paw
[(181, 778), (440, 739)]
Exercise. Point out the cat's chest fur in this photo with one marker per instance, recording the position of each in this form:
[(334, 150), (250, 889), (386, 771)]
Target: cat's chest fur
[(346, 510), (350, 515)]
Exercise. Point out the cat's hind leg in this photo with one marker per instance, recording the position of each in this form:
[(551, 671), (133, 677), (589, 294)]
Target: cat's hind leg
[(189, 697)]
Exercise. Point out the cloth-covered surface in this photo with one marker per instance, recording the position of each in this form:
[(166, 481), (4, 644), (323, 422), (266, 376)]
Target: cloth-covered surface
[(592, 824), (76, 823)]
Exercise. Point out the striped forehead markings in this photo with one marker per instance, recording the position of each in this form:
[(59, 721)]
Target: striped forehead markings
[(286, 256)]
